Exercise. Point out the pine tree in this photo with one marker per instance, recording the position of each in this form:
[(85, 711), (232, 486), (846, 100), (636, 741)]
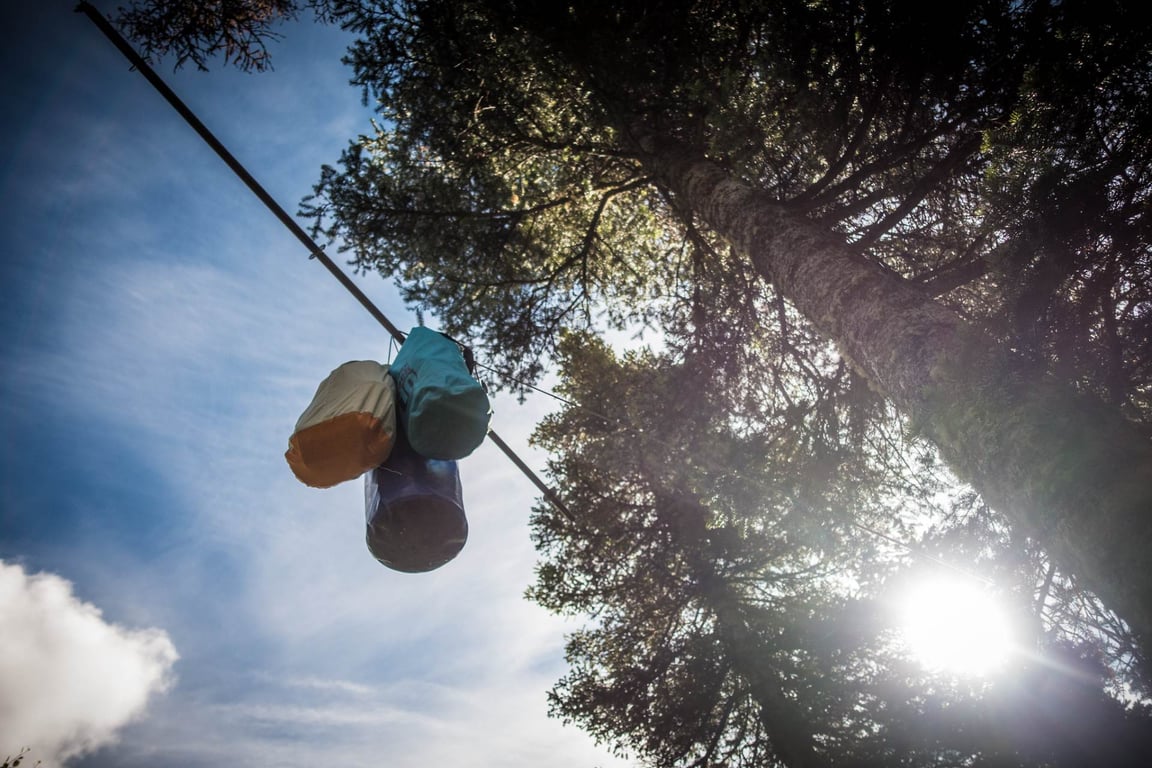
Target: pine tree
[(738, 609), (865, 232)]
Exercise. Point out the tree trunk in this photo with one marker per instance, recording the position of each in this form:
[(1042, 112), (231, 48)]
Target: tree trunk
[(1064, 468), (783, 718)]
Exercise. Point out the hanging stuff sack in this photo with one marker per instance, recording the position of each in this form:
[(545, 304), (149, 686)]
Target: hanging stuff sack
[(414, 511), (348, 428), (442, 409)]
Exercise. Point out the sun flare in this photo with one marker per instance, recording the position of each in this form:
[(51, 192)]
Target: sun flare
[(955, 627)]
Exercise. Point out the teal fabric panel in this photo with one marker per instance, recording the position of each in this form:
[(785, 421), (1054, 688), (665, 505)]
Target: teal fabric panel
[(442, 409)]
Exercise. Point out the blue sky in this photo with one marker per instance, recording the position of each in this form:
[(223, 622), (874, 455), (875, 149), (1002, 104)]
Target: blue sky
[(162, 332)]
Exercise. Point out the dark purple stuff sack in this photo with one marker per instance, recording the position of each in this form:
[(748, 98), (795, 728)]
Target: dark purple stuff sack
[(414, 509)]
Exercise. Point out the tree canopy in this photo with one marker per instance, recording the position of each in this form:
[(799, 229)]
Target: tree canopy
[(885, 248)]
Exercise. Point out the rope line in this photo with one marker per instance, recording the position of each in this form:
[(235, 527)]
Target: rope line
[(314, 250)]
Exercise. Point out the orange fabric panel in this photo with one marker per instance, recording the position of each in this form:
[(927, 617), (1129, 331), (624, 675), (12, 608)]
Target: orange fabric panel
[(341, 448)]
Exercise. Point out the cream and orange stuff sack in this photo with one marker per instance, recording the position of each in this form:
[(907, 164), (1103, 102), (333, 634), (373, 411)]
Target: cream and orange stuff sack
[(349, 427)]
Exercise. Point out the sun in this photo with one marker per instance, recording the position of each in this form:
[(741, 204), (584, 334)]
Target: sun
[(955, 627)]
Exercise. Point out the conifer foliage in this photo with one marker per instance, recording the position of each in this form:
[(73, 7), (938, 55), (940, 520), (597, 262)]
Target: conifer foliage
[(888, 248)]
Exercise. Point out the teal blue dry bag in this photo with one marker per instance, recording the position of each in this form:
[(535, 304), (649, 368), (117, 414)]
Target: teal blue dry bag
[(443, 410)]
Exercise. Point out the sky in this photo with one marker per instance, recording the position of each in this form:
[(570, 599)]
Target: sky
[(170, 595)]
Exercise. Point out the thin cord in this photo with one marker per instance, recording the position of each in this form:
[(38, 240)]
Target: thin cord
[(619, 423)]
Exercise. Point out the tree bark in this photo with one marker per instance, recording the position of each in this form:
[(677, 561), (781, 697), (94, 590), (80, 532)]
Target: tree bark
[(1064, 468)]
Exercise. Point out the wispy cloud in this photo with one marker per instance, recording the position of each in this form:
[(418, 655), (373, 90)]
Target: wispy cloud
[(408, 724), (346, 687)]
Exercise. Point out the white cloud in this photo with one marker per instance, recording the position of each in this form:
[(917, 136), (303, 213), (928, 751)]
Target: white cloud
[(69, 680)]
